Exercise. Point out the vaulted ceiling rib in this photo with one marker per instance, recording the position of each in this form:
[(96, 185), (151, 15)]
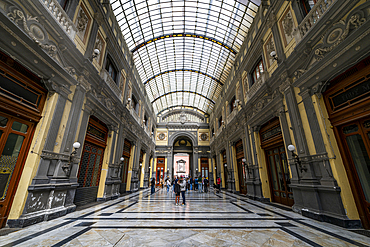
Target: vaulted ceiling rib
[(184, 50)]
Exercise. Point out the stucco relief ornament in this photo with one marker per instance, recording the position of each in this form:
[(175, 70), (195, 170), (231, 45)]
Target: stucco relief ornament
[(32, 27), (288, 24), (183, 117), (109, 104), (82, 20), (337, 34)]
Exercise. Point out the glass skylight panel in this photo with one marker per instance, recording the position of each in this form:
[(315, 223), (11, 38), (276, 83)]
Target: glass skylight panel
[(226, 21)]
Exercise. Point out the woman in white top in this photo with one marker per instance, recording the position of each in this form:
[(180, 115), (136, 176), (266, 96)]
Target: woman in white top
[(168, 185)]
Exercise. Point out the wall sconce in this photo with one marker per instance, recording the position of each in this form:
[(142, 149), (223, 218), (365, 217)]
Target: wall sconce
[(128, 103), (244, 160), (273, 55), (143, 121), (67, 167), (225, 165), (237, 103), (96, 53), (301, 167), (140, 164), (152, 133), (149, 167), (121, 159)]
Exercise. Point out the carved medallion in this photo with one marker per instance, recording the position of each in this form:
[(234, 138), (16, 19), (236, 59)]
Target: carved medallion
[(161, 136)]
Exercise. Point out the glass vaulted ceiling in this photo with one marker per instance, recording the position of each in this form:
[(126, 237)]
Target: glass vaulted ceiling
[(184, 50)]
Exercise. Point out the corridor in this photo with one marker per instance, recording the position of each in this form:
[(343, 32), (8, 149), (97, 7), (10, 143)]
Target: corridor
[(207, 219)]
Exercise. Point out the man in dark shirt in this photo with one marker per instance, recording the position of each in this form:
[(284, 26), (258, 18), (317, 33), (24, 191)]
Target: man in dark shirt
[(152, 183)]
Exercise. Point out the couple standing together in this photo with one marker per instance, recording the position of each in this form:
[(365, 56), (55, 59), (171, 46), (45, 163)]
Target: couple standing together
[(180, 186)]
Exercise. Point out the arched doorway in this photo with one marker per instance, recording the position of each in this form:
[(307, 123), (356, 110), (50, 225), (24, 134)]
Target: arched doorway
[(182, 157)]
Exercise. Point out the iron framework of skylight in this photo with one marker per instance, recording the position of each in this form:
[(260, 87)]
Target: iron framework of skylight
[(184, 50)]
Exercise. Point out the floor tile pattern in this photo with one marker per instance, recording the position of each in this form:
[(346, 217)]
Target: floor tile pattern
[(207, 219)]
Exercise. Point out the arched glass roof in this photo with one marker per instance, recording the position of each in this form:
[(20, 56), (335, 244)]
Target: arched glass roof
[(184, 50)]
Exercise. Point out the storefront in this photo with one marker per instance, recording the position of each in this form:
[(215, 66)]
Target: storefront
[(348, 104), (91, 162), (160, 172), (22, 99), (241, 167), (125, 165), (276, 161)]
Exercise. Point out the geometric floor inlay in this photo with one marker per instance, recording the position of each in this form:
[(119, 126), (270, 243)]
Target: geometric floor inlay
[(207, 219)]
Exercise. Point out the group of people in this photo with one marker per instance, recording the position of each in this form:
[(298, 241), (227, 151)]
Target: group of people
[(182, 184)]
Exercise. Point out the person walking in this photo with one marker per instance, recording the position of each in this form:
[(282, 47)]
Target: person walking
[(200, 183), (205, 182), (168, 183), (191, 183), (175, 182), (195, 183), (183, 190), (177, 190), (152, 183), (218, 181)]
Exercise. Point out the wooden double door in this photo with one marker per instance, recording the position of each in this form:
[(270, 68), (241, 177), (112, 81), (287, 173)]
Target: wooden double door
[(279, 175), (15, 136), (276, 162), (355, 139), (159, 178), (242, 175)]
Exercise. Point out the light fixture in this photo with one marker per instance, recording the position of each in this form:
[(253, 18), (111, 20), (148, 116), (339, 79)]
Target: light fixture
[(128, 103), (121, 159), (96, 53), (215, 167), (244, 160), (273, 55), (67, 167), (301, 167), (143, 120), (140, 164), (149, 167), (225, 165)]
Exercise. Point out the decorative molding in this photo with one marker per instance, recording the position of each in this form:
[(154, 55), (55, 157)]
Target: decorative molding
[(333, 37), (338, 33)]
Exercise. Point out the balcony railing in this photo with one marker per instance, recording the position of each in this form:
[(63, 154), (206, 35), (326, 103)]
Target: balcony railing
[(111, 83), (311, 19), (219, 130), (232, 115), (60, 16), (135, 115), (254, 88)]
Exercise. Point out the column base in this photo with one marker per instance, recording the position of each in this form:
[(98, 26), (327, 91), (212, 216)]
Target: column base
[(45, 215)]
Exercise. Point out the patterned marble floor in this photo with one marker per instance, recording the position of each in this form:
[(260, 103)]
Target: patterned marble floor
[(207, 219)]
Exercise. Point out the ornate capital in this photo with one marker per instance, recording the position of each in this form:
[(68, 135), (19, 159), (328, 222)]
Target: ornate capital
[(84, 83)]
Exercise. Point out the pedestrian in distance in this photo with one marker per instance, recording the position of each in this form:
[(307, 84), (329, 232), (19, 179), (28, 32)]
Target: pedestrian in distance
[(195, 183), (152, 183), (218, 181), (200, 183), (168, 183), (183, 190), (205, 182), (177, 190)]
